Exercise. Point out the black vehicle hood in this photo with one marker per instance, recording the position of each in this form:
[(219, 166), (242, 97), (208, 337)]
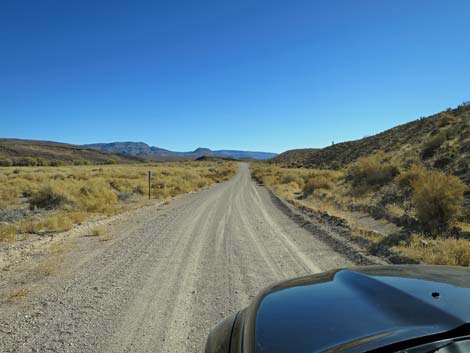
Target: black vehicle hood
[(358, 309)]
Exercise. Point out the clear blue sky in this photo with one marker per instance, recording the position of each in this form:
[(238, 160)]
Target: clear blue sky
[(247, 74)]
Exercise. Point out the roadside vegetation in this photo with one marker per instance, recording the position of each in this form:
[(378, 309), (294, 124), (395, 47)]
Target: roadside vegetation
[(43, 200), (418, 182)]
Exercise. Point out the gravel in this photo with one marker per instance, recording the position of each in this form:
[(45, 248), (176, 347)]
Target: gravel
[(169, 274)]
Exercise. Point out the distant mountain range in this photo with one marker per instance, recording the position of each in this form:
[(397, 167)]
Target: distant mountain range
[(141, 149)]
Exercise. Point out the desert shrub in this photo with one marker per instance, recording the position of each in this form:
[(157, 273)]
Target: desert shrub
[(79, 192), (289, 178), (446, 119), (50, 197), (77, 216), (139, 189), (26, 162), (201, 183), (377, 169), (124, 195), (120, 185), (41, 162), (7, 232), (438, 198), (97, 196), (56, 163), (6, 162), (160, 193), (257, 175), (407, 178), (268, 180), (314, 183), (432, 144)]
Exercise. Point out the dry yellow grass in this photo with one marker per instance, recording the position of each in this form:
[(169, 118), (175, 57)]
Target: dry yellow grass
[(330, 191), (17, 294), (52, 260), (96, 232), (438, 198), (101, 232), (395, 210), (70, 195), (440, 251), (374, 170), (358, 231), (289, 182), (8, 232)]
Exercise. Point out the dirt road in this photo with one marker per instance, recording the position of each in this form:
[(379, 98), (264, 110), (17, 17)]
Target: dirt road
[(169, 275)]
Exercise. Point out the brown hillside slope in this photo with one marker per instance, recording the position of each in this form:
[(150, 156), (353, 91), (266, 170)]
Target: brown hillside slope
[(295, 157), (441, 141), (46, 152)]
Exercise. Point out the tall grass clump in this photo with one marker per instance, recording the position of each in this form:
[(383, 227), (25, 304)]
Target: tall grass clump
[(97, 197), (439, 251), (8, 197)]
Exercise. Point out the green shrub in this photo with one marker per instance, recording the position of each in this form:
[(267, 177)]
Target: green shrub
[(26, 162), (6, 162), (438, 199)]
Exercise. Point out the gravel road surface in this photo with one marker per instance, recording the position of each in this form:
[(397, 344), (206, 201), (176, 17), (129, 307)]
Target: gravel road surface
[(170, 273)]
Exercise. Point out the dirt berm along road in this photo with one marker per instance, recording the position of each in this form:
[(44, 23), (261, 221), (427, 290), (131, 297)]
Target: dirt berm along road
[(170, 273)]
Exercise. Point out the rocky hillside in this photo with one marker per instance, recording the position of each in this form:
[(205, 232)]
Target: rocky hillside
[(295, 157), (31, 152), (439, 141), (143, 150)]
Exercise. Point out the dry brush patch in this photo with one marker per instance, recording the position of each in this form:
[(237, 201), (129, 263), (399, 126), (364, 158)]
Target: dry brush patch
[(53, 199), (437, 251), (395, 188)]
